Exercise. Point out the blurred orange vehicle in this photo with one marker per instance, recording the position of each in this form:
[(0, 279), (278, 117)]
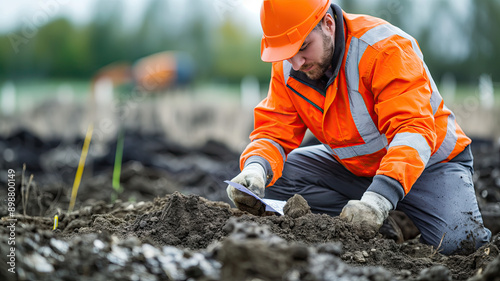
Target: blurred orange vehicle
[(153, 73)]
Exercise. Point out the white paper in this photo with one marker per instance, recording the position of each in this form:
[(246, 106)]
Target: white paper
[(271, 204)]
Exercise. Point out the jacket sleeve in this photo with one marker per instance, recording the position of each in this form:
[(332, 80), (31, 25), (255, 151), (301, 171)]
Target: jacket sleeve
[(402, 102), (278, 129)]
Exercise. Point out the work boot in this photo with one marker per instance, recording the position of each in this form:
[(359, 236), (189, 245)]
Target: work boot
[(391, 230)]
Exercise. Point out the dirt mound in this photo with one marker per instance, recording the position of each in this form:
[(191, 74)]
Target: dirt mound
[(185, 221), (178, 237)]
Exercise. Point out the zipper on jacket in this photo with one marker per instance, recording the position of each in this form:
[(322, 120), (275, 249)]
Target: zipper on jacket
[(306, 99)]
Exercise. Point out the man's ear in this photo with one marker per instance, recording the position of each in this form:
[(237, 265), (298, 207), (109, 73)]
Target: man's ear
[(328, 24)]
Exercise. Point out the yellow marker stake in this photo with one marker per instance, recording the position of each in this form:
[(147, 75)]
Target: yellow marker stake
[(56, 222), (79, 172)]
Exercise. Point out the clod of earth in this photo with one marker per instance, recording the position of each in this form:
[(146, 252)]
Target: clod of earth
[(296, 207)]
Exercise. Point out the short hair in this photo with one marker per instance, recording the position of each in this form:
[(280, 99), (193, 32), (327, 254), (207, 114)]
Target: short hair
[(318, 26)]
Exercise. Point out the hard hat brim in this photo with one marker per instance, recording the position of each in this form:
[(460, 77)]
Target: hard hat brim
[(274, 54)]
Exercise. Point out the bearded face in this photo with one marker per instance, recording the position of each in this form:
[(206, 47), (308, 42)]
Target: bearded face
[(315, 69), (316, 53)]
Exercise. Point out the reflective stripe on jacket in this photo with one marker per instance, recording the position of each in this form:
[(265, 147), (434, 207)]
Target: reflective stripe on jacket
[(382, 115)]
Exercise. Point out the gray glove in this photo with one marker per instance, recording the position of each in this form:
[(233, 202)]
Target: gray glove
[(368, 214), (252, 177)]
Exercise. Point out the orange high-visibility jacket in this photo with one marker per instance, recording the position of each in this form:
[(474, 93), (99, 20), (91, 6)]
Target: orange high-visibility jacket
[(381, 115)]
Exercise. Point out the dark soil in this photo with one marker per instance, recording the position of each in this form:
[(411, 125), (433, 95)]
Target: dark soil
[(172, 222)]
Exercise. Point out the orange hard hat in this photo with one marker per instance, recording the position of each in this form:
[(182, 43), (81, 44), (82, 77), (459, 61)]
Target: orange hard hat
[(286, 24)]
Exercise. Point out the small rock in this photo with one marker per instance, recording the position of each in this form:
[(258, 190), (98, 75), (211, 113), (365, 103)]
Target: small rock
[(39, 263), (98, 244), (347, 256), (45, 251), (118, 256), (358, 257), (405, 273), (194, 272), (149, 251), (228, 227), (61, 246), (296, 207), (131, 242), (331, 248), (438, 272), (299, 252)]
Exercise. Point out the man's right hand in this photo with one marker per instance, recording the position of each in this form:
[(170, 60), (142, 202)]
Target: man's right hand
[(252, 177)]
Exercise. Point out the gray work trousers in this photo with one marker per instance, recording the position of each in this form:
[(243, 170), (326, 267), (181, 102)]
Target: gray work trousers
[(441, 202)]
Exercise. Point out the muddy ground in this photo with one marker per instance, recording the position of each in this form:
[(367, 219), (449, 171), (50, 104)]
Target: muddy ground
[(172, 221)]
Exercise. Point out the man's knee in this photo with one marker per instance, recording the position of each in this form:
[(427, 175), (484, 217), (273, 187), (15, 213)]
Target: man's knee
[(308, 162), (459, 241)]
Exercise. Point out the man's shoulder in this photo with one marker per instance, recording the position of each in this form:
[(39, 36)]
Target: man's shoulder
[(359, 24), (372, 31)]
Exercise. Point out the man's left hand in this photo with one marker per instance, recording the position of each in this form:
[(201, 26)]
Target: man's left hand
[(368, 214)]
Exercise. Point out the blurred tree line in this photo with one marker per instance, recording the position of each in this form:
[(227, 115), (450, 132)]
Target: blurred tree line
[(463, 43), (222, 48)]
